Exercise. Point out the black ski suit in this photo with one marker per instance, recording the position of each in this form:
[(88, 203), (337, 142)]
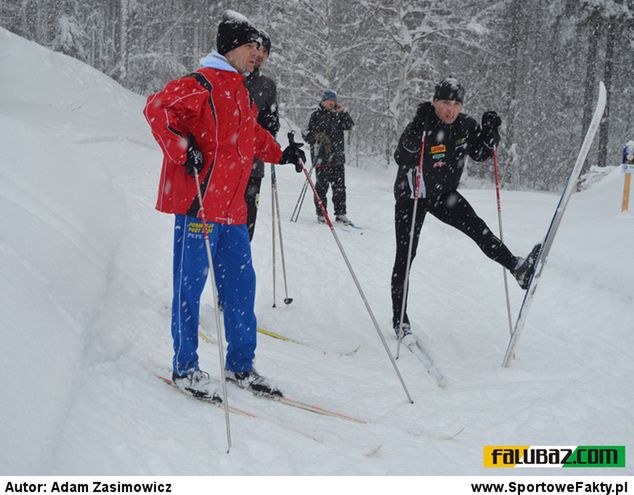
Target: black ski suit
[(263, 91), (446, 149), (325, 136)]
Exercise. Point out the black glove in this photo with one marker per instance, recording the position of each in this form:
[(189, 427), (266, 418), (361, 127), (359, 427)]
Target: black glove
[(195, 158), (295, 155), (491, 120), (490, 123), (424, 112), (411, 139)]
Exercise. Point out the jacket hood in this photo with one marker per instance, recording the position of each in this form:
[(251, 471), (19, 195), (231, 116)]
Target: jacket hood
[(216, 61)]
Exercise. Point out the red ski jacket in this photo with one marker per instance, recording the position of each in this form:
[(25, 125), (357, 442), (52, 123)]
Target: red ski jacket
[(222, 120)]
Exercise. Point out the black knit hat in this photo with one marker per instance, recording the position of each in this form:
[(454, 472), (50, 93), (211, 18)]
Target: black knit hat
[(449, 89), (235, 30), (266, 41)]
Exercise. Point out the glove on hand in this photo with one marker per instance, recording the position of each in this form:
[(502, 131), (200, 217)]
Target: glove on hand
[(491, 120), (490, 123), (195, 159), (423, 113), (295, 155), (412, 136)]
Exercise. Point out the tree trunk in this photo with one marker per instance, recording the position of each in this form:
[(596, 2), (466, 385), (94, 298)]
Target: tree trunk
[(405, 57), (121, 41), (607, 79), (511, 171), (589, 95)]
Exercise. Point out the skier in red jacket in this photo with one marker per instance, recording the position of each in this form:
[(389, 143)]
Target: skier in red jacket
[(207, 121)]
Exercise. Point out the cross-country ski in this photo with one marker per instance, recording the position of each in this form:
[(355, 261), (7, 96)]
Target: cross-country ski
[(571, 186)]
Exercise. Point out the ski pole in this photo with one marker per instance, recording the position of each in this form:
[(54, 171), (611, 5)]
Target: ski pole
[(291, 140), (499, 205), (302, 194), (276, 205), (419, 173), (212, 276), (300, 199), (273, 227)]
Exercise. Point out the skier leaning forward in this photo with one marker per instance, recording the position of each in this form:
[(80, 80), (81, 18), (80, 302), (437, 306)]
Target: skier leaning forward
[(207, 121), (450, 137)]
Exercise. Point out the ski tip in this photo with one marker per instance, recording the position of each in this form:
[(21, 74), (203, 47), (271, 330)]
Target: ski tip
[(353, 351), (165, 379)]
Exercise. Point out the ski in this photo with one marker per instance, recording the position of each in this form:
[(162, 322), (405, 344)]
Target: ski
[(437, 435), (350, 229), (283, 400), (423, 356), (239, 412), (571, 185), (307, 407), (277, 336), (209, 340), (351, 225), (232, 409)]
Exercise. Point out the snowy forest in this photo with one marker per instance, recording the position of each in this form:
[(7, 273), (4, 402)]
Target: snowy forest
[(536, 62)]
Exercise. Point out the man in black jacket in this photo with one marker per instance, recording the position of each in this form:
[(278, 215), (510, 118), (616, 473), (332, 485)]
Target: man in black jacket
[(450, 137), (325, 135), (264, 93)]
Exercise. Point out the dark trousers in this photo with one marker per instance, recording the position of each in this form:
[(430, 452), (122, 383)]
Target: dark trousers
[(453, 209), (252, 198), (331, 175)]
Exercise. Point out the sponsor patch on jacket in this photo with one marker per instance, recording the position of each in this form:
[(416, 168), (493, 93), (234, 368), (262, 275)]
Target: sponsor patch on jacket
[(438, 156), (441, 148)]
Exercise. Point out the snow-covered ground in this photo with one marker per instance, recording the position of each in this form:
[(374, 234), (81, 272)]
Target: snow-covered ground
[(86, 289)]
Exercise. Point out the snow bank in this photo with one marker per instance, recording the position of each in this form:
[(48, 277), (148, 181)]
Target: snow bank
[(61, 218)]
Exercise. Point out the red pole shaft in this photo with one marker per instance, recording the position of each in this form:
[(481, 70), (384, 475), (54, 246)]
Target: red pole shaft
[(497, 180), (356, 281)]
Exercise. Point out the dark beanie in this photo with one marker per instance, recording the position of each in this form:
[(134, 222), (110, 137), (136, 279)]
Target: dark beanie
[(266, 41), (329, 94), (235, 30), (449, 89)]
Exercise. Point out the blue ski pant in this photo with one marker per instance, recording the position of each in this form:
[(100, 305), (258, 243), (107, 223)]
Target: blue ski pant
[(235, 283)]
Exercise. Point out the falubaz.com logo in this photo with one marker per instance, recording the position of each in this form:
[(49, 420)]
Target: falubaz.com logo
[(554, 456)]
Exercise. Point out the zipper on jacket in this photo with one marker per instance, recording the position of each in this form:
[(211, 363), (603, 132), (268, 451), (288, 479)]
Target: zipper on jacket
[(229, 219)]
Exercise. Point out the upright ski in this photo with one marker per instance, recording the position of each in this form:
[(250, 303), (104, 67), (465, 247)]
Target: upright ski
[(554, 224)]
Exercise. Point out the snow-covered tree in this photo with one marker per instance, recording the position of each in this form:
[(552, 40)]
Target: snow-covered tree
[(536, 62)]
